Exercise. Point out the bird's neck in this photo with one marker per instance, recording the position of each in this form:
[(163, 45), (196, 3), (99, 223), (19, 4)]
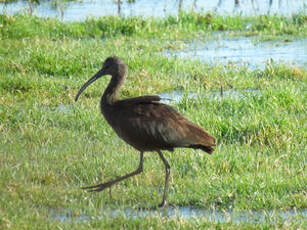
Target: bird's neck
[(110, 95)]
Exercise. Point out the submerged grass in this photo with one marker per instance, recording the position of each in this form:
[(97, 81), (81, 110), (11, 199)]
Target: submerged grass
[(51, 146)]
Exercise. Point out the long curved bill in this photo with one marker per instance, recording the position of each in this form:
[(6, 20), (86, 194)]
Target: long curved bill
[(90, 81)]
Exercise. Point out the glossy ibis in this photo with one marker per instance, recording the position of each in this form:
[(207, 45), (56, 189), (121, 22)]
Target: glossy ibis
[(145, 123)]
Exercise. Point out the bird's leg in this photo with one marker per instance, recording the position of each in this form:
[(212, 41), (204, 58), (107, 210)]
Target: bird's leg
[(110, 192), (100, 187), (167, 172)]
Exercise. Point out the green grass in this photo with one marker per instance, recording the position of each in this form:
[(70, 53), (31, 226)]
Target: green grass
[(185, 26), (50, 146)]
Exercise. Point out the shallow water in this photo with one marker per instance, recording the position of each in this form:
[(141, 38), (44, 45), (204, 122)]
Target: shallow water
[(188, 212), (243, 51), (62, 108), (234, 94), (78, 11)]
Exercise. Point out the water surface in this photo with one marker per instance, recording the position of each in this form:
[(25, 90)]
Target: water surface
[(233, 94), (80, 10), (188, 212), (245, 51)]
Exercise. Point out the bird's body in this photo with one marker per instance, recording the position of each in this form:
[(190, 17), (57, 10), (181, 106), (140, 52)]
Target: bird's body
[(148, 125), (145, 123)]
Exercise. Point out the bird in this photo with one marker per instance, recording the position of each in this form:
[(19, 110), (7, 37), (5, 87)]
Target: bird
[(144, 123)]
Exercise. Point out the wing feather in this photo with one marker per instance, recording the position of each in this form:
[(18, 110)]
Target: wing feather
[(141, 99), (147, 124)]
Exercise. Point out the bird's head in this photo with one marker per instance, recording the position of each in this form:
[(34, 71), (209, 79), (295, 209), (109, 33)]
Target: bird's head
[(113, 66)]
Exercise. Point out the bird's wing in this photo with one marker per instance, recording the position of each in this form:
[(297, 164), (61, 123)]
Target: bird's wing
[(159, 125), (141, 99)]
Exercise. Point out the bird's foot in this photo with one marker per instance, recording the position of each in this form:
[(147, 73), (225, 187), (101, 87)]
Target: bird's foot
[(98, 187), (163, 204)]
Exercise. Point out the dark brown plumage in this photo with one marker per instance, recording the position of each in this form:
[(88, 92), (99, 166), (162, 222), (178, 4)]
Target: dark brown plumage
[(145, 123)]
